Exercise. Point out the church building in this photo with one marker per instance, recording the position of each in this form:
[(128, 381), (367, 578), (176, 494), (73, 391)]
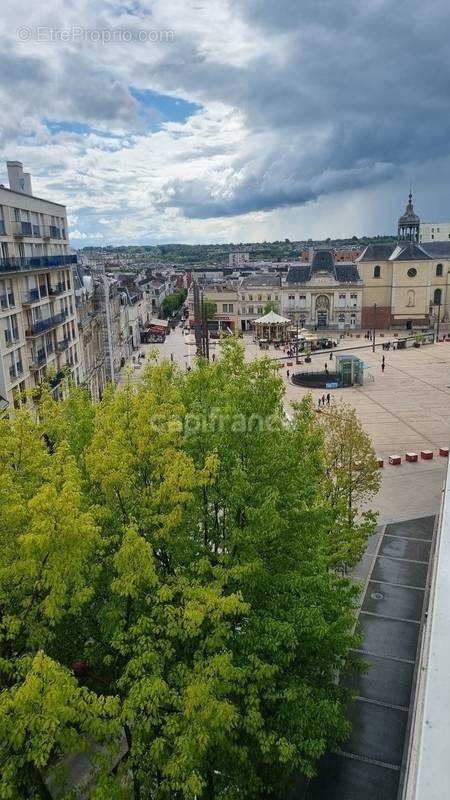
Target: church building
[(406, 284)]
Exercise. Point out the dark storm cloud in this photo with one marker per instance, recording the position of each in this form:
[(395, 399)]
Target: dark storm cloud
[(352, 93)]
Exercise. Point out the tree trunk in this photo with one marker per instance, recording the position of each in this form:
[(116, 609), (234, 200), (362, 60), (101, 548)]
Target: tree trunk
[(136, 783)]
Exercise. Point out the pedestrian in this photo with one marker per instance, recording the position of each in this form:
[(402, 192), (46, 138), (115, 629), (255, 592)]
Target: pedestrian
[(287, 373), (319, 401), (213, 356), (331, 356), (326, 367), (323, 400), (382, 360), (382, 366), (328, 399)]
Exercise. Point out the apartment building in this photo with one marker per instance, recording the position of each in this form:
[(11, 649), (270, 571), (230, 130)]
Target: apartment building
[(434, 232), (225, 299), (38, 330), (256, 292), (238, 259)]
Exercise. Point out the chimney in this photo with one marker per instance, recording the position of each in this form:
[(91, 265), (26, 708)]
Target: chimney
[(28, 188), (15, 176)]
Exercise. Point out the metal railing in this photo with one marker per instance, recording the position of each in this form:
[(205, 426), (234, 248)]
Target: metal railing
[(42, 325), (36, 262), (11, 336), (57, 289), (38, 360), (16, 370), (62, 345), (32, 296)]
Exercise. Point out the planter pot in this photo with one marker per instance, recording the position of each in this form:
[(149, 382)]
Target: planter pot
[(416, 344), (307, 360)]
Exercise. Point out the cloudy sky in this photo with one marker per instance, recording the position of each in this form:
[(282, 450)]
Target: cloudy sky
[(228, 120)]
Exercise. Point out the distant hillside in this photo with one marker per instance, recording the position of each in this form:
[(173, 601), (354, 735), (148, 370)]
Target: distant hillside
[(186, 254)]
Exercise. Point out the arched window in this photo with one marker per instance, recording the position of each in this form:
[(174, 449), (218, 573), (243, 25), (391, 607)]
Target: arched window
[(377, 272), (439, 270), (411, 298), (437, 297)]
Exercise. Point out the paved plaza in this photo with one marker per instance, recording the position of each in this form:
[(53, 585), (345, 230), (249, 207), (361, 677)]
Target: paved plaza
[(406, 408)]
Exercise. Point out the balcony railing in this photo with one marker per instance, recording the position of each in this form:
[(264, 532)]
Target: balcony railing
[(42, 325), (21, 229), (11, 337), (57, 289), (35, 262), (39, 359), (32, 296), (62, 345), (16, 370)]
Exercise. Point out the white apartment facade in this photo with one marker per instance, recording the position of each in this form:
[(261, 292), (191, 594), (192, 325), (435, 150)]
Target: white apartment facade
[(434, 232), (38, 330), (238, 259)]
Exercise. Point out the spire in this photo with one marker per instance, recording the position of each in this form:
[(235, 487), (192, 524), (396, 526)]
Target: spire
[(409, 222)]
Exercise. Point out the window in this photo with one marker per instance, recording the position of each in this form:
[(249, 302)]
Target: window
[(251, 310), (353, 300), (411, 298), (276, 297), (439, 270), (260, 297), (260, 310), (291, 297), (377, 272), (437, 297), (342, 301), (302, 301), (250, 297), (432, 235), (412, 272)]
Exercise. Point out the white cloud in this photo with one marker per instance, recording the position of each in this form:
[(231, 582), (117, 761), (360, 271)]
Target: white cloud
[(308, 117)]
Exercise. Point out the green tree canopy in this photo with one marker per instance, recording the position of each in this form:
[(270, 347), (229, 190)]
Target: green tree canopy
[(174, 541)]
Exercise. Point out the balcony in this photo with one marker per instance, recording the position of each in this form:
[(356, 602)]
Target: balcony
[(32, 296), (56, 379), (38, 360), (57, 289), (21, 229), (43, 325), (11, 337), (16, 371), (37, 262), (62, 345)]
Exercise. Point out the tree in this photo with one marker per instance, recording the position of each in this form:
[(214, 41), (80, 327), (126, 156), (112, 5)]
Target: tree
[(210, 308), (175, 541), (173, 302), (271, 305), (352, 480)]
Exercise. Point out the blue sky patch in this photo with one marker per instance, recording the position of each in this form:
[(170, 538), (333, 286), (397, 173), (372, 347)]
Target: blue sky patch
[(163, 107)]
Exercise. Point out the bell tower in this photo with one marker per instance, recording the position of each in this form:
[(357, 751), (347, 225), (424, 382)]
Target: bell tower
[(408, 224)]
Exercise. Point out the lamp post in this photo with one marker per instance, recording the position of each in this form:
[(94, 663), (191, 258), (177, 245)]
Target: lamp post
[(374, 326)]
